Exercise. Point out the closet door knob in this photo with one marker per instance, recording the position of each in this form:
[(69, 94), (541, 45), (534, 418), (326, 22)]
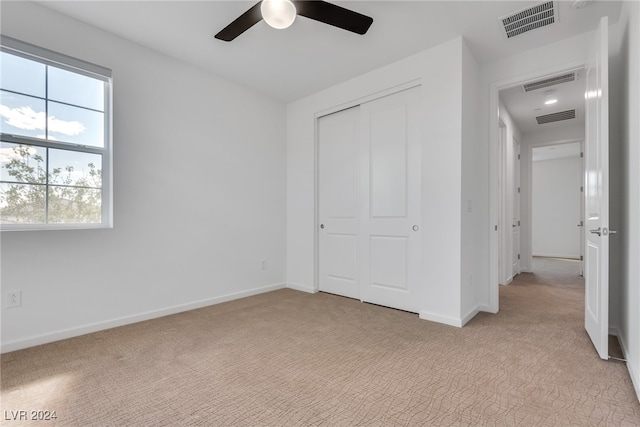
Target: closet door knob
[(415, 228), (322, 226)]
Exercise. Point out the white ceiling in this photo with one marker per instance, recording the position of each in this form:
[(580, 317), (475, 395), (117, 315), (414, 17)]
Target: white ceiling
[(310, 56), (524, 107), (558, 151)]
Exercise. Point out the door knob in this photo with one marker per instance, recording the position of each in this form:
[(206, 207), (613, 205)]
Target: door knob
[(415, 228), (322, 226), (603, 231)]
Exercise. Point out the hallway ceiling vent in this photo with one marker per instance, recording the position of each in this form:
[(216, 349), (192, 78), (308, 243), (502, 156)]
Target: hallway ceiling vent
[(556, 117), (540, 15), (551, 81)]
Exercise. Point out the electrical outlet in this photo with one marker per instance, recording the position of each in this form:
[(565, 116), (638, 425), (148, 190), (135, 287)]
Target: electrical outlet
[(14, 298), (263, 264)]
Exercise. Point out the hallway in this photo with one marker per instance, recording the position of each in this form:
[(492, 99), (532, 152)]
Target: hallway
[(558, 279)]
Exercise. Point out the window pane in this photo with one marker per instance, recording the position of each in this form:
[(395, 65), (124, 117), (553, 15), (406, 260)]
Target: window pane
[(76, 125), (22, 115), (69, 205), (76, 89), (22, 204), (74, 168), (22, 163), (22, 75)]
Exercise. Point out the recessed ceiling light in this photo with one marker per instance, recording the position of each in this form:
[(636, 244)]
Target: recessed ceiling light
[(550, 101)]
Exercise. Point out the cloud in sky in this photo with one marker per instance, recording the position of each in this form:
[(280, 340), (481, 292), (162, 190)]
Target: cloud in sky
[(27, 119), (7, 154)]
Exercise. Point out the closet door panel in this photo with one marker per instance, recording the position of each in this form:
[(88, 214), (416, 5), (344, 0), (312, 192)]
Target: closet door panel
[(338, 136)]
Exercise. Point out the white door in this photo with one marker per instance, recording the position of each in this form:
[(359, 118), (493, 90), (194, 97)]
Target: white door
[(390, 268), (597, 192), (369, 201), (339, 205), (515, 224), (581, 220)]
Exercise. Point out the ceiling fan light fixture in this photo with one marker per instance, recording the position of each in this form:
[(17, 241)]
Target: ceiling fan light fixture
[(279, 14)]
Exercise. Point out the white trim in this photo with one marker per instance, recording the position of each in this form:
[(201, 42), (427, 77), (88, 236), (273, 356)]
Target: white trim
[(570, 257), (49, 57), (371, 97), (451, 321), (473, 313), (127, 320), (302, 288)]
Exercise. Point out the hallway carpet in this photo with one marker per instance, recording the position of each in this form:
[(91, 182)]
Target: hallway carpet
[(288, 358)]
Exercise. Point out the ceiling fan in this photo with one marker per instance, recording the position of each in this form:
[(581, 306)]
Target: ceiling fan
[(281, 14)]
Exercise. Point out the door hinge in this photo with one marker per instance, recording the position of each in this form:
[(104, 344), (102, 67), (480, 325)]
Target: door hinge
[(518, 156), (581, 258), (518, 189), (518, 223), (581, 154), (495, 227), (518, 256), (581, 189)]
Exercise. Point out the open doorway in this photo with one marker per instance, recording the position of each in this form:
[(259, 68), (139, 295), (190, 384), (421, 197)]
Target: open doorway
[(556, 206), (595, 133), (542, 126)]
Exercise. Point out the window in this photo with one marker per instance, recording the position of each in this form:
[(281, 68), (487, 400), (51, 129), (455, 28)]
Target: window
[(55, 145)]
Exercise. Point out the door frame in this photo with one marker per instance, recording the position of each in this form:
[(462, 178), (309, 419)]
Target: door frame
[(494, 165), (517, 194), (316, 161), (527, 256)]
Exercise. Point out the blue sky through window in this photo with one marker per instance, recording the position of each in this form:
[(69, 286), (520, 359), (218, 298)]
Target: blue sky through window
[(51, 104), (75, 103)]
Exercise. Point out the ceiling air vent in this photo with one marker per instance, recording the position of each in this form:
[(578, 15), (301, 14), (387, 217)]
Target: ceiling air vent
[(556, 117), (529, 19), (551, 81)]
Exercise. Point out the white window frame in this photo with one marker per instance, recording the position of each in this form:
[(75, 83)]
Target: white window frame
[(48, 57)]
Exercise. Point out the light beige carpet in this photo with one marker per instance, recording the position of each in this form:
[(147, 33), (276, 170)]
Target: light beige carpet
[(290, 358)]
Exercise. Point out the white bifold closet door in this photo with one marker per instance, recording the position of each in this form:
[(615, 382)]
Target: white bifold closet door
[(369, 201)]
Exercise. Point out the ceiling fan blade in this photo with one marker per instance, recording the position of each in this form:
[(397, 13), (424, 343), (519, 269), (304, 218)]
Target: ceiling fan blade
[(334, 15), (241, 24)]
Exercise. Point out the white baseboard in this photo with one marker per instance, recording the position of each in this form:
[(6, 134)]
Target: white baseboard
[(487, 309), (572, 257), (451, 321), (302, 288), (634, 371), (127, 320), (469, 316)]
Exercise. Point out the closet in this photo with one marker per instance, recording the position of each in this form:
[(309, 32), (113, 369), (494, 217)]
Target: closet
[(369, 203)]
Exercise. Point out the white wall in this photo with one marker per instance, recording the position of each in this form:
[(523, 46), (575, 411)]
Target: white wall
[(556, 207), (199, 188), (475, 215), (439, 70), (627, 41)]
